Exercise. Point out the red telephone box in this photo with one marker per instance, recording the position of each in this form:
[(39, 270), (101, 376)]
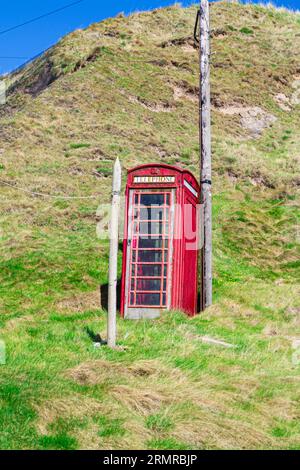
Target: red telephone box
[(160, 251)]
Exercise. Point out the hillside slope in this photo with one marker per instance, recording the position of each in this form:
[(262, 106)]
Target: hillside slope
[(128, 87)]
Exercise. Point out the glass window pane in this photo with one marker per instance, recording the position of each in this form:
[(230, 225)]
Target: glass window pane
[(153, 242), (148, 299), (149, 270), (165, 270), (164, 299), (145, 213), (148, 284), (154, 199), (132, 284), (151, 213), (132, 298), (166, 256), (152, 228), (150, 256), (165, 284), (133, 270), (133, 256)]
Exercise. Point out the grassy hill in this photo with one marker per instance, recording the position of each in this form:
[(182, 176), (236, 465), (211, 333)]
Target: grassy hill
[(128, 87)]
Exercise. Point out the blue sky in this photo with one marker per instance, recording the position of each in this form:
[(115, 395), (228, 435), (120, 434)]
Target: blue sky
[(31, 39)]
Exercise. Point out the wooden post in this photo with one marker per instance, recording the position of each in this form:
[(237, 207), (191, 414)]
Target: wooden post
[(205, 145), (113, 257)]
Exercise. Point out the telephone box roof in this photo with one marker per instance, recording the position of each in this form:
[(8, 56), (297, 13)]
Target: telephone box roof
[(163, 165)]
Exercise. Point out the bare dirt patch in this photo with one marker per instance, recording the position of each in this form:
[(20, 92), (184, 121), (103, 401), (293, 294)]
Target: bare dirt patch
[(283, 102), (184, 90), (219, 32), (76, 171), (254, 119), (95, 154), (154, 107), (34, 83), (158, 150), (271, 330), (257, 179), (94, 55), (186, 43)]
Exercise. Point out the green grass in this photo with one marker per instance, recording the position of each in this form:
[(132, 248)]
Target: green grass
[(175, 392), (57, 442), (164, 388), (246, 30), (79, 146)]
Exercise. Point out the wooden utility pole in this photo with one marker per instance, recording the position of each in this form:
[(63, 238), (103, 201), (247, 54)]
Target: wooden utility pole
[(205, 146), (113, 257)]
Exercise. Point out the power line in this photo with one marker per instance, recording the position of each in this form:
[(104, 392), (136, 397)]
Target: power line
[(51, 196), (155, 61), (37, 18)]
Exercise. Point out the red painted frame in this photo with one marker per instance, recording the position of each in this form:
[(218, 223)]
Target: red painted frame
[(183, 261)]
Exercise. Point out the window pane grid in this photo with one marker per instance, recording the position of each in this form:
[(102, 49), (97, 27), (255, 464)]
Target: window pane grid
[(149, 263)]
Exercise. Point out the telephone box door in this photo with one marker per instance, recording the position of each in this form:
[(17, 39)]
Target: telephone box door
[(149, 252)]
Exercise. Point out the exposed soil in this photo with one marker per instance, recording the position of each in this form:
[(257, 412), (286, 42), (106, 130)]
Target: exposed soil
[(254, 119), (187, 44), (259, 180), (186, 91), (34, 84), (256, 179), (158, 150), (219, 32), (90, 58), (283, 101), (154, 107)]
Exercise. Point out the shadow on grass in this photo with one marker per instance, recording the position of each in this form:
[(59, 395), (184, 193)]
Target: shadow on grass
[(104, 295)]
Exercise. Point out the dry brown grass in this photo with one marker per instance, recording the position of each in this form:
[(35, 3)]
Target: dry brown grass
[(217, 432), (19, 322), (105, 372), (140, 399), (80, 302), (74, 406)]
